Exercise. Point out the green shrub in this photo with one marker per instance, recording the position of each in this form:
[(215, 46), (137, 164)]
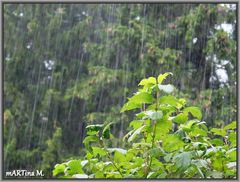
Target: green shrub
[(167, 139)]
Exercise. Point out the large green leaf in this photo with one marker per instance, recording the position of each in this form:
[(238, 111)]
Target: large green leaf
[(180, 118), (58, 169), (136, 124), (172, 143), (89, 139), (129, 106), (119, 157), (74, 167), (98, 151), (195, 111), (148, 81), (219, 131), (142, 97), (169, 100), (231, 126), (183, 160)]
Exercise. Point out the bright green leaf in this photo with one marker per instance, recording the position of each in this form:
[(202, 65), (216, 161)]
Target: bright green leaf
[(219, 131), (231, 126), (162, 77), (195, 111), (180, 118), (136, 133)]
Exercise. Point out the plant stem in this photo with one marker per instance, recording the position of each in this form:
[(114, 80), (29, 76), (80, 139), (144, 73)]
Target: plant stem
[(110, 158), (153, 136)]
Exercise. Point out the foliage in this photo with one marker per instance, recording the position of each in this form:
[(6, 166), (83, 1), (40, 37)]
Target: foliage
[(52, 152), (153, 148)]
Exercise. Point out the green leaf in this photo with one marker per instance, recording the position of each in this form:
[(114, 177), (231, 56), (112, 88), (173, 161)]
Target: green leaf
[(231, 126), (172, 143), (136, 124), (98, 151), (142, 97), (232, 154), (106, 131), (129, 106), (163, 127), (156, 152), (219, 131), (195, 111), (197, 131), (183, 160), (168, 99), (148, 81), (232, 138), (135, 133), (180, 118), (119, 157), (75, 167), (89, 139), (162, 77), (188, 126), (166, 88), (217, 142), (93, 129), (59, 168)]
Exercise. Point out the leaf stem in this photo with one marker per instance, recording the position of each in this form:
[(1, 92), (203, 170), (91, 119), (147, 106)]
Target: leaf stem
[(110, 158), (153, 135)]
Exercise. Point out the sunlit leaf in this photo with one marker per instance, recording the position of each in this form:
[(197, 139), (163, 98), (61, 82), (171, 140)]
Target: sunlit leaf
[(136, 133), (89, 139), (195, 111), (141, 98), (129, 106), (150, 81), (219, 131), (75, 167), (162, 77), (58, 169), (231, 126), (180, 118)]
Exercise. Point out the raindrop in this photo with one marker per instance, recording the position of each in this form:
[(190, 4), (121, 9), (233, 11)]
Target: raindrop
[(194, 40), (137, 18), (21, 14), (227, 27), (49, 64), (8, 57), (222, 75)]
